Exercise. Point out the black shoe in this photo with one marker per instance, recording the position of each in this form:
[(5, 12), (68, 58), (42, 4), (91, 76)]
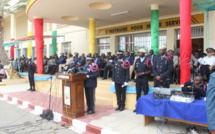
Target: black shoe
[(121, 109), (33, 90), (94, 111), (134, 110), (104, 78), (87, 111), (135, 80), (90, 112), (117, 108), (29, 89)]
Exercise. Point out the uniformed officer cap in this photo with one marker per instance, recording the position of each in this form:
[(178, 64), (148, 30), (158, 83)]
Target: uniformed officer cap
[(61, 53), (119, 52), (209, 49), (162, 47), (132, 52), (102, 54), (141, 50), (76, 53), (89, 58)]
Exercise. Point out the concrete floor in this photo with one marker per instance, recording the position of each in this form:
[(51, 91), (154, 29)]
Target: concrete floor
[(127, 122), (14, 120)]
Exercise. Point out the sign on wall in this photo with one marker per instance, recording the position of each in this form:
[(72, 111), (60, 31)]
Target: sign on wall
[(165, 23), (67, 97)]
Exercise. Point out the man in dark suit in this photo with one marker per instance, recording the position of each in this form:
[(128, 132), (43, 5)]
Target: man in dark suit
[(162, 67), (31, 71), (199, 87), (76, 58), (108, 66), (120, 79), (142, 70), (96, 59), (82, 60), (151, 56), (90, 84)]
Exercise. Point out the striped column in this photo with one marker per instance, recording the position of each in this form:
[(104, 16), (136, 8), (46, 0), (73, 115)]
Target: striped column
[(54, 40), (155, 28), (30, 33), (92, 36), (38, 25), (185, 40), (12, 34)]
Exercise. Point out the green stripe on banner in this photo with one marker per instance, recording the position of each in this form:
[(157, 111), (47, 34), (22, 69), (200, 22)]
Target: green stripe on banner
[(54, 43), (155, 31)]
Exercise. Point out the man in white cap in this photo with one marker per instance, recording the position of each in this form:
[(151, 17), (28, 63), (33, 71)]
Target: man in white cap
[(120, 79), (162, 67), (142, 71)]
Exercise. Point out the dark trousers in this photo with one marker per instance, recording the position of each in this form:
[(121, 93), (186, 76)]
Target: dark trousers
[(106, 69), (205, 72), (90, 97), (31, 80), (141, 84), (52, 69), (164, 84), (120, 94), (1, 77)]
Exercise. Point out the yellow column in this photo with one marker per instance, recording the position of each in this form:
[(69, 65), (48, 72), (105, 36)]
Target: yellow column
[(92, 36), (30, 33)]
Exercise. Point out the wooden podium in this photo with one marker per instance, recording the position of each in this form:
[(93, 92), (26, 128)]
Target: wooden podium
[(72, 94)]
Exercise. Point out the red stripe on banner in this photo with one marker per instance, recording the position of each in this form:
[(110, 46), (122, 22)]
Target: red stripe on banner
[(38, 24), (195, 19), (185, 41)]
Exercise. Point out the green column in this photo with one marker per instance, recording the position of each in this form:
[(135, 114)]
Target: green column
[(54, 43), (155, 29)]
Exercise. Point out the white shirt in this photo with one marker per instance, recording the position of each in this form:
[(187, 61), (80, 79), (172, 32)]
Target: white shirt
[(208, 61), (2, 71)]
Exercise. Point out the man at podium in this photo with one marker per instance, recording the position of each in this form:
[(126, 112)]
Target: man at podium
[(90, 84)]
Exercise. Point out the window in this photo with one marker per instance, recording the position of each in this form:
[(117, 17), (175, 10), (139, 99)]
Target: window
[(33, 52), (50, 49), (143, 40), (18, 53), (25, 52), (103, 45), (67, 47), (125, 43), (197, 32), (45, 50)]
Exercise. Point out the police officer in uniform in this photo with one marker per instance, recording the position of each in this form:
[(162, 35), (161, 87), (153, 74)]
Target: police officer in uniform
[(142, 70), (120, 79), (90, 84), (162, 67), (31, 71)]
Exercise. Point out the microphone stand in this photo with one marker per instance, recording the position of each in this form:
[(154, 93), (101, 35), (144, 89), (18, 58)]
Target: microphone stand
[(50, 90), (48, 114)]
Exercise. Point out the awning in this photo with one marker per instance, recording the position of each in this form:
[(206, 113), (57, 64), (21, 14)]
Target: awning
[(204, 5), (28, 38)]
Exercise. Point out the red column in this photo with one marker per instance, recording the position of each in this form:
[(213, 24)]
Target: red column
[(185, 40), (12, 50), (38, 24)]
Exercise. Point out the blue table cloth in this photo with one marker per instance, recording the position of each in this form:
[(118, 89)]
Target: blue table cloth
[(195, 111)]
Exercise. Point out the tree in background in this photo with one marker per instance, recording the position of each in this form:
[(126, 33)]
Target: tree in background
[(5, 8)]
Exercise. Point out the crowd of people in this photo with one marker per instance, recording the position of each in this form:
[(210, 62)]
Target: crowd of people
[(164, 68)]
